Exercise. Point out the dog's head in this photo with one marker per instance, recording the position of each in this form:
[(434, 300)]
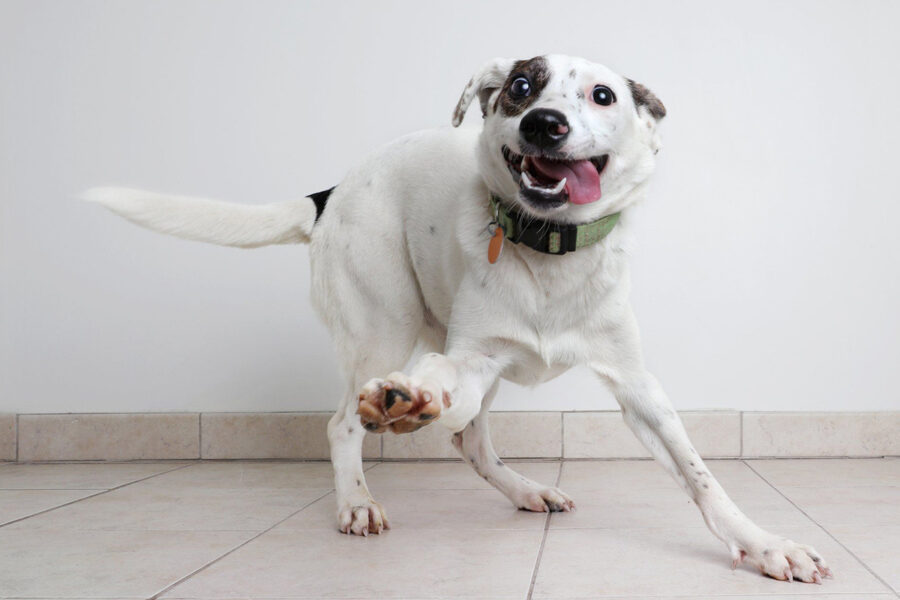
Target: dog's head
[(563, 137)]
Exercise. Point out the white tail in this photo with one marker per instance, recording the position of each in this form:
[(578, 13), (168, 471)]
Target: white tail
[(212, 221)]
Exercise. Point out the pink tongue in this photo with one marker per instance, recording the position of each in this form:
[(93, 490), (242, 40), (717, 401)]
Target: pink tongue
[(582, 178)]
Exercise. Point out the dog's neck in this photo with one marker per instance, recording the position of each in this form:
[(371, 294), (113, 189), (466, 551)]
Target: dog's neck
[(548, 236)]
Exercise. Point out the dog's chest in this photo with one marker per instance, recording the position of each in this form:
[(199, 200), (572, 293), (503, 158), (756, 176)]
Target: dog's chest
[(561, 317)]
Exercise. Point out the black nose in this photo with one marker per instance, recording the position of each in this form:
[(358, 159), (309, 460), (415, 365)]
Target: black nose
[(544, 128)]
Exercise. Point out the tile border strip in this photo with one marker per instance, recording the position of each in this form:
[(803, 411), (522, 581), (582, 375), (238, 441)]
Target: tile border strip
[(517, 434)]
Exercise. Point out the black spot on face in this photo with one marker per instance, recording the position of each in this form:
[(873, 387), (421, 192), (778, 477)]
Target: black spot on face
[(705, 486), (572, 74), (537, 71), (766, 552), (349, 430), (579, 94)]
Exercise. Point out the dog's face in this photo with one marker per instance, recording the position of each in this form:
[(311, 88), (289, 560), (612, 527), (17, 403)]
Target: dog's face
[(563, 137)]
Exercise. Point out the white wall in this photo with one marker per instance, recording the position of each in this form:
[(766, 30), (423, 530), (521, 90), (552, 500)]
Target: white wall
[(767, 272)]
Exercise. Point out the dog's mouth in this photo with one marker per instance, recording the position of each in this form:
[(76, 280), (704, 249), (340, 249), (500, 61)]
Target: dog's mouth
[(551, 182)]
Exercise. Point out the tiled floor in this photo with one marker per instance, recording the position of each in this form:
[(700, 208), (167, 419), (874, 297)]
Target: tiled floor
[(257, 530)]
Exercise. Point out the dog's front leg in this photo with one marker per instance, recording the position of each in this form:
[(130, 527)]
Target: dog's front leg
[(448, 387), (648, 412)]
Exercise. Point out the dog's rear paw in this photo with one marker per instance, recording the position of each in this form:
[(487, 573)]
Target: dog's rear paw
[(396, 404), (547, 499), (785, 560), (362, 519)]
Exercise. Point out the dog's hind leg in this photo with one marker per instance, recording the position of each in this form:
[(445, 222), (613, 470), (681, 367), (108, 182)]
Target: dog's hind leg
[(474, 444)]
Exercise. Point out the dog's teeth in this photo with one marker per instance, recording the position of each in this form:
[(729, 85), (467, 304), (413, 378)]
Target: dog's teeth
[(527, 180), (560, 186)]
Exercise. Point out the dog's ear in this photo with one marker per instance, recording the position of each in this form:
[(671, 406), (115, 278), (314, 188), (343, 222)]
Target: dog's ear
[(646, 100), (489, 78)]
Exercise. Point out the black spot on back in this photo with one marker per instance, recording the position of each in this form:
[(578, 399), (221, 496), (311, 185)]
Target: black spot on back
[(320, 199)]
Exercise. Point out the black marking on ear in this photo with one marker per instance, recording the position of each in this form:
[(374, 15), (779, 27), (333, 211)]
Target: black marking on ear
[(320, 199), (538, 73), (644, 97)]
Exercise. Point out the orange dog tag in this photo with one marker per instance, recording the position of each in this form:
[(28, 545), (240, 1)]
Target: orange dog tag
[(496, 245)]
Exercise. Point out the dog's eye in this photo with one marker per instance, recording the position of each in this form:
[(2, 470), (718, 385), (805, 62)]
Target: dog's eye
[(603, 95), (520, 87)]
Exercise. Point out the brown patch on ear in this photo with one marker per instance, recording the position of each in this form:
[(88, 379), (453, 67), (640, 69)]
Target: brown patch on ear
[(644, 97)]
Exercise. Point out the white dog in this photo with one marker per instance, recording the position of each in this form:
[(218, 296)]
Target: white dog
[(502, 253)]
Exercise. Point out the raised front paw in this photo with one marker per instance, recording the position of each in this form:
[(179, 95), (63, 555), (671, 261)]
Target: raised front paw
[(783, 559), (397, 404)]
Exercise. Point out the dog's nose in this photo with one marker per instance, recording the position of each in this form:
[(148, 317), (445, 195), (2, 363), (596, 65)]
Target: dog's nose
[(544, 127)]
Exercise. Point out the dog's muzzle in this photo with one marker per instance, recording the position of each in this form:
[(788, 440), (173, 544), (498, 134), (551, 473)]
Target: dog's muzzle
[(544, 128)]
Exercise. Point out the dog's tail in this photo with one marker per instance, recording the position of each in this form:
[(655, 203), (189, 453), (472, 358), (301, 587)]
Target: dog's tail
[(212, 221)]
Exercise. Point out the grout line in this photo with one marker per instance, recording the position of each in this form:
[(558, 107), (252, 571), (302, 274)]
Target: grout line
[(236, 548), (100, 493), (822, 527), (562, 429), (540, 555)]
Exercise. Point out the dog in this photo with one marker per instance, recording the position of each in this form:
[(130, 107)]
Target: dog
[(501, 253)]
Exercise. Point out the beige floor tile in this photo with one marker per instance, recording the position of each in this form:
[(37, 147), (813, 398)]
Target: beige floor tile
[(109, 437), (79, 476), (685, 562), (861, 506), (146, 506), (15, 504), (430, 509), (237, 474), (671, 507), (514, 435), (821, 434), (271, 435), (450, 475), (7, 437), (643, 474), (877, 547), (428, 442), (107, 564), (743, 597), (397, 564), (605, 434), (827, 472)]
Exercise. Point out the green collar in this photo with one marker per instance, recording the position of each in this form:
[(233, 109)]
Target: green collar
[(549, 237)]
